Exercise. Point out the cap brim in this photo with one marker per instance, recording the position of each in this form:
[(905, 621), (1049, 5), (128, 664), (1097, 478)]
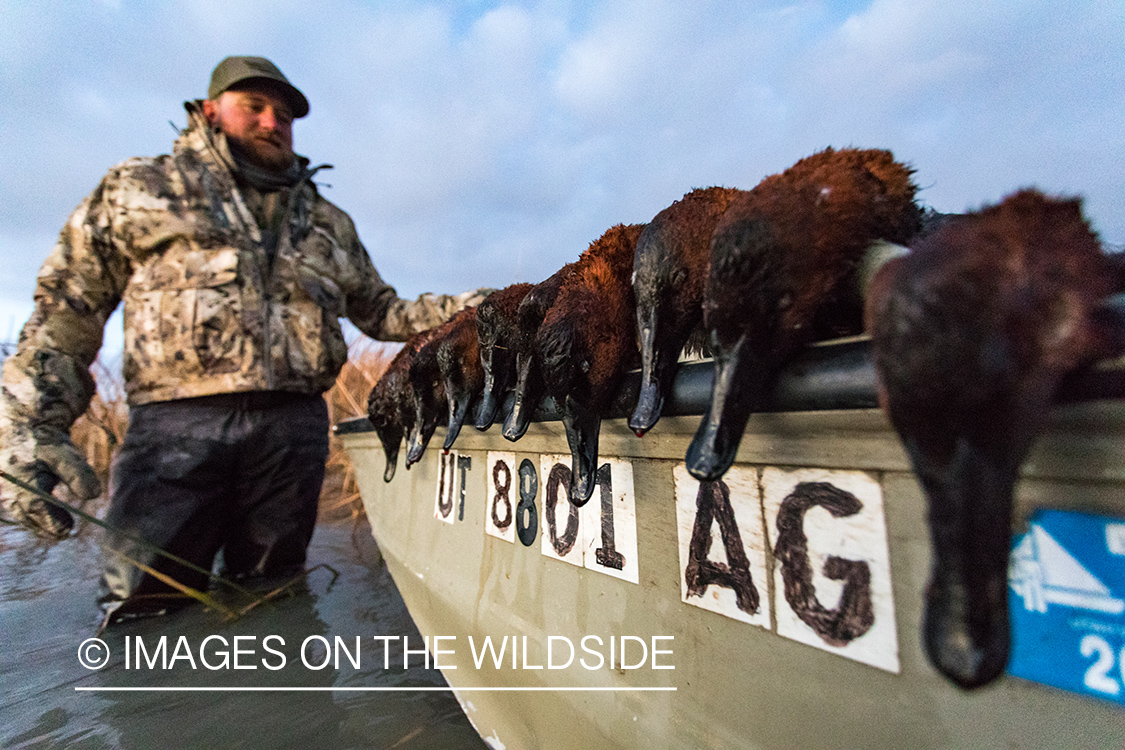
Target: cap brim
[(297, 102)]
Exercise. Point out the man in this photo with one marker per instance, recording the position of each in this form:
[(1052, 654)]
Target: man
[(234, 272)]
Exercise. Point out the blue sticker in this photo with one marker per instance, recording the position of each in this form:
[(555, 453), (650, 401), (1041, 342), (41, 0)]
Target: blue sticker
[(1066, 598)]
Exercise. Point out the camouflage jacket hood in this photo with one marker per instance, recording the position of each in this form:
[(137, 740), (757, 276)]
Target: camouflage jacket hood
[(207, 310)]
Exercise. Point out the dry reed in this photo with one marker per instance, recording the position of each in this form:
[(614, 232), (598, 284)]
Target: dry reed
[(347, 399)]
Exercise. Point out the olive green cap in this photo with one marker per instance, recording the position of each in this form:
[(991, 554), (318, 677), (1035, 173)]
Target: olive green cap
[(240, 68)]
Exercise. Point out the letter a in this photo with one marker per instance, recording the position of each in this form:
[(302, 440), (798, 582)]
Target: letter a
[(712, 504)]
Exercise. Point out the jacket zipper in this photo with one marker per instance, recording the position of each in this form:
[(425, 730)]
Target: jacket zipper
[(284, 236)]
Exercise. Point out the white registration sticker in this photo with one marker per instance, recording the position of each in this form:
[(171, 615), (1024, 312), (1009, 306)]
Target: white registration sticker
[(832, 573), (827, 548), (561, 536), (609, 523), (500, 504), (449, 501), (722, 545), (602, 534)]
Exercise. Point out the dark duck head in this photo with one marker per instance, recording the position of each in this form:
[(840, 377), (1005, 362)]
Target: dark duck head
[(669, 273), (428, 388), (458, 358), (382, 412), (496, 333), (390, 405), (971, 333), (585, 345), (529, 381), (782, 258)]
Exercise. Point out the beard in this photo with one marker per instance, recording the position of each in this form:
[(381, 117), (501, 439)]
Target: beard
[(263, 149)]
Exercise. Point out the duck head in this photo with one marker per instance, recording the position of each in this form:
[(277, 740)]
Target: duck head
[(528, 379), (382, 412), (459, 363), (669, 272), (390, 404), (972, 331), (496, 327), (783, 257), (585, 346), (429, 402)]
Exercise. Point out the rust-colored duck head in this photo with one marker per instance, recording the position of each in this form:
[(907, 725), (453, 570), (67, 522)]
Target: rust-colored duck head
[(782, 258), (458, 358), (428, 388), (669, 273), (529, 381), (496, 333), (390, 405), (586, 344), (382, 412), (972, 332)]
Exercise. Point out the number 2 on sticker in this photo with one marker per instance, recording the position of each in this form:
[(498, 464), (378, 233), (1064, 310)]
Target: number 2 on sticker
[(1098, 675)]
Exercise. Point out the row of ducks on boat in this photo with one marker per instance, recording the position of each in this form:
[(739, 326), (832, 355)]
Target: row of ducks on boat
[(974, 320)]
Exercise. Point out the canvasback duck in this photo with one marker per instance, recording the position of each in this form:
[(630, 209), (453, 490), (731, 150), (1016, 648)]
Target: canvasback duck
[(782, 259), (587, 342), (496, 332), (669, 273), (971, 333)]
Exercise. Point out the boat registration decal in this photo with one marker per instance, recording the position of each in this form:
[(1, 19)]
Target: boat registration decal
[(526, 501), (827, 549), (833, 572), (722, 545), (499, 509), (562, 520), (449, 500), (1066, 599)]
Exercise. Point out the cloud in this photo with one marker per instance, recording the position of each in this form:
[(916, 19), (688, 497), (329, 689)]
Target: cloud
[(982, 97)]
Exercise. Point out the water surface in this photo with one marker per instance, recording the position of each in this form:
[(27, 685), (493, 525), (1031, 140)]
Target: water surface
[(47, 595)]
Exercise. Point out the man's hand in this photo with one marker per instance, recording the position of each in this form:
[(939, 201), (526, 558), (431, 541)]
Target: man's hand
[(473, 297), (42, 461)]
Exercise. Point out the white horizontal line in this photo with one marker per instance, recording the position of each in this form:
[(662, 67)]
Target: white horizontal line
[(369, 689)]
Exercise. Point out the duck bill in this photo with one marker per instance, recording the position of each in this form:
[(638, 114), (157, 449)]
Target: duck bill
[(390, 438), (582, 429), (528, 392), (965, 627), (486, 415), (738, 380), (489, 402), (458, 409), (650, 400), (420, 432)]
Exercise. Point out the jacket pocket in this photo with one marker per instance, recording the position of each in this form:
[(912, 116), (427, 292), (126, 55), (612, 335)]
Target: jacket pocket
[(182, 315), (314, 343)]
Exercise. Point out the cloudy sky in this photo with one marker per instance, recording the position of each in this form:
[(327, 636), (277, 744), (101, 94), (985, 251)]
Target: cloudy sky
[(483, 143)]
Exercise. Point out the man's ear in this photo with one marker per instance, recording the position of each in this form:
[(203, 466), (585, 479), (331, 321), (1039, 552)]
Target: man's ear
[(211, 111)]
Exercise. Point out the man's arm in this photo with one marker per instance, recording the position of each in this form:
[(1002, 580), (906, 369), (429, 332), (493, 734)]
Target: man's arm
[(46, 385), (377, 310)]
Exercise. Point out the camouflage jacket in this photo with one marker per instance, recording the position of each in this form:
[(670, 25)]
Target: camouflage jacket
[(206, 310)]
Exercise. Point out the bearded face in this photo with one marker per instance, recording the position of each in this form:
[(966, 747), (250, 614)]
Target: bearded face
[(258, 123)]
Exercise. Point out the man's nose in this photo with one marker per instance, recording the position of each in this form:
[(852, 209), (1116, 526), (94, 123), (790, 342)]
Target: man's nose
[(267, 119)]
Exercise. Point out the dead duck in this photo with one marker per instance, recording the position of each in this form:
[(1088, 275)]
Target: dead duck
[(971, 333), (428, 394), (782, 258), (669, 274), (458, 359), (496, 331), (529, 387), (390, 406), (587, 343)]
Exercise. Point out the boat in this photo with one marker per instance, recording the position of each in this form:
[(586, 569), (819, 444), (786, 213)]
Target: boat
[(669, 614)]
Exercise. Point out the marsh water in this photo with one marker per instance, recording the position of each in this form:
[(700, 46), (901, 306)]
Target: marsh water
[(280, 690)]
